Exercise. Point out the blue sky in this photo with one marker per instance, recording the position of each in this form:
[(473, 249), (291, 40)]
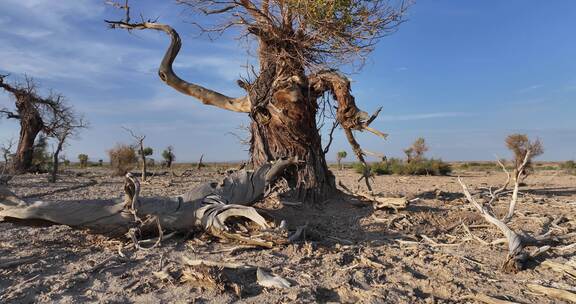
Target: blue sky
[(462, 74)]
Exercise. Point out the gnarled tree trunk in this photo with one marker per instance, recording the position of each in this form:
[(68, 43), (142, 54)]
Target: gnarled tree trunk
[(283, 115), (30, 125), (282, 106), (56, 160)]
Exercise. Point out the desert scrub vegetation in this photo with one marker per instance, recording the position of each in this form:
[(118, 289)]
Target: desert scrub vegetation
[(569, 167), (83, 160), (415, 163), (122, 159), (400, 167), (478, 166)]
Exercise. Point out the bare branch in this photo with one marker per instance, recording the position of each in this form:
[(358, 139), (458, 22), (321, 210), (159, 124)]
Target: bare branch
[(140, 143), (347, 115), (516, 258), (9, 114), (519, 173), (168, 76), (515, 245), (334, 125)]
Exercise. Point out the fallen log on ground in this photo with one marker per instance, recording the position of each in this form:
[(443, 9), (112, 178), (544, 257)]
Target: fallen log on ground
[(208, 206)]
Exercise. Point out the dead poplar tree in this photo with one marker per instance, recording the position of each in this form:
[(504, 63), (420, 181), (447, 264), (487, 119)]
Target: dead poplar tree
[(300, 45), (417, 150), (6, 150), (36, 114), (141, 150), (64, 128), (200, 164), (169, 157)]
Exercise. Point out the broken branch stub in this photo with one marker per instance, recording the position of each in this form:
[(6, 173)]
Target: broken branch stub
[(209, 206)]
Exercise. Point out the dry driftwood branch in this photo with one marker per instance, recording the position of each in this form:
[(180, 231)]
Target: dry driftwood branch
[(395, 203), (197, 262), (553, 292), (516, 256), (517, 179), (207, 206), (516, 242)]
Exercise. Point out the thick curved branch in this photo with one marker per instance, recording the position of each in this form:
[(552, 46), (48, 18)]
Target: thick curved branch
[(347, 114), (166, 73)]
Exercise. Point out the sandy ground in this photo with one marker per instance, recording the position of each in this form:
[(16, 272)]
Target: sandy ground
[(352, 253)]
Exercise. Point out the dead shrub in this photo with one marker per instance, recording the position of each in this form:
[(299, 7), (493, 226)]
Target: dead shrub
[(520, 144), (122, 159)]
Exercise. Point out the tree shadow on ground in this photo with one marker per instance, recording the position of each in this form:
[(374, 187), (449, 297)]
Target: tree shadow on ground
[(347, 220), (558, 191)]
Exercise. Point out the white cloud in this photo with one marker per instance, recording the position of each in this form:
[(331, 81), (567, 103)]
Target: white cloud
[(530, 88), (42, 14)]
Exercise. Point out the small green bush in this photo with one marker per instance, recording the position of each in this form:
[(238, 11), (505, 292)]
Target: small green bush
[(400, 167)]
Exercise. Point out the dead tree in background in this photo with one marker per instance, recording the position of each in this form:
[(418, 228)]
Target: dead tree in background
[(140, 144), (339, 157), (6, 150), (35, 113), (63, 128), (417, 150), (300, 43), (200, 164), (169, 157), (520, 144)]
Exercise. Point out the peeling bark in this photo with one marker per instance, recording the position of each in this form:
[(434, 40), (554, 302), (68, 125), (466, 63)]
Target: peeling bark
[(282, 102), (207, 206)]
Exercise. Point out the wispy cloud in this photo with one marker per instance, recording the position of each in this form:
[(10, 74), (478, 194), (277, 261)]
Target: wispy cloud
[(530, 88), (424, 116)]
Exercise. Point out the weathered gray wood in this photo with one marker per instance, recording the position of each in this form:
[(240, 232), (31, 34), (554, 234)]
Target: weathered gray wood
[(206, 206)]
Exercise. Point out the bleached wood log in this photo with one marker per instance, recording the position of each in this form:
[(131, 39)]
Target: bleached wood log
[(207, 206)]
